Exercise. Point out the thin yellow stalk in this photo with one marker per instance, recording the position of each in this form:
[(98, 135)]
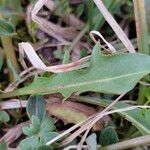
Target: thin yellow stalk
[(9, 52), (142, 37)]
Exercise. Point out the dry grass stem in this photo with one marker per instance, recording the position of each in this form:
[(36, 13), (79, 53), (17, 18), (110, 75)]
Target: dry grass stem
[(68, 131), (42, 23), (13, 104), (114, 25), (111, 48), (91, 122), (38, 64)]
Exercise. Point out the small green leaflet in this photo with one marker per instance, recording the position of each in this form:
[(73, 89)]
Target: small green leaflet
[(3, 145), (1, 60), (114, 74), (4, 117), (36, 107), (6, 28), (39, 133), (108, 136), (91, 141)]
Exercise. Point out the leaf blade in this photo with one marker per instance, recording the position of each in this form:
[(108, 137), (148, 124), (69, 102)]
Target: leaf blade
[(113, 74), (4, 117), (6, 28), (36, 107), (108, 136), (91, 141)]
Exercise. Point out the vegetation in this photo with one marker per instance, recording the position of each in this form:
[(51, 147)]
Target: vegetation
[(74, 74)]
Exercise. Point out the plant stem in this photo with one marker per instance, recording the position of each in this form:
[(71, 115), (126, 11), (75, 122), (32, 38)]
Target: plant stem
[(78, 37), (10, 54), (90, 7)]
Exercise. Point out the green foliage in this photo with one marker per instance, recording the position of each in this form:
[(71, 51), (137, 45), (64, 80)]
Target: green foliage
[(83, 53), (114, 74), (58, 54), (6, 28), (80, 10), (108, 136), (4, 117), (3, 146), (1, 60), (147, 94), (136, 117), (92, 142), (45, 147), (41, 129), (14, 72), (36, 107), (11, 9), (34, 127), (111, 5), (30, 143), (63, 6), (38, 133)]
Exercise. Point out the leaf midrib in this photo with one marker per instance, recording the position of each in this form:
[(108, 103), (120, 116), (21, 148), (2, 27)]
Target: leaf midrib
[(95, 81)]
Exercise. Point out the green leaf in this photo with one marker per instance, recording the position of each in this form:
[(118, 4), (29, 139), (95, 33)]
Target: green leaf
[(14, 72), (83, 53), (47, 136), (108, 136), (113, 74), (91, 142), (35, 122), (111, 5), (42, 132), (36, 107), (4, 117), (136, 117), (6, 28), (45, 147), (6, 13), (34, 128), (80, 10), (10, 8), (58, 54), (47, 125), (1, 60), (30, 143), (47, 130), (3, 145), (27, 131)]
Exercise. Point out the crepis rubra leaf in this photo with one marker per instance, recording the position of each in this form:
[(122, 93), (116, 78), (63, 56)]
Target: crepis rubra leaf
[(113, 74)]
